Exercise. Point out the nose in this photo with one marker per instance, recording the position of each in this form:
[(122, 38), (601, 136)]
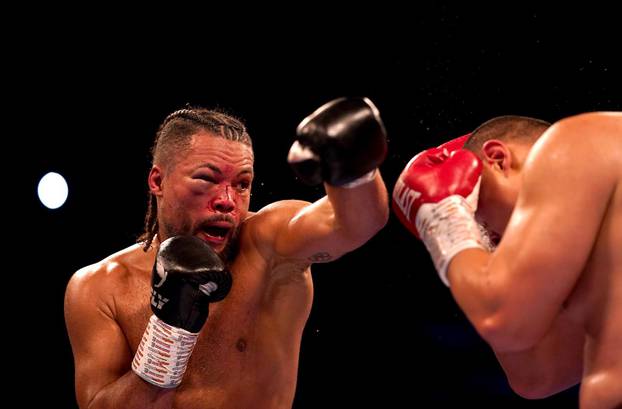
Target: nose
[(223, 202)]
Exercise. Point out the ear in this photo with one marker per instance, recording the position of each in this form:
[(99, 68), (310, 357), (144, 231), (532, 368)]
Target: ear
[(497, 155), (155, 179)]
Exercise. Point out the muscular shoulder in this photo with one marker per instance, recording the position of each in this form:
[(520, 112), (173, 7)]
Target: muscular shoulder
[(97, 283), (591, 138), (591, 131), (592, 119), (263, 226), (281, 211)]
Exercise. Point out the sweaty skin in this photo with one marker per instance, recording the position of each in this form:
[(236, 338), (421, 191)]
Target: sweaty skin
[(549, 298), (247, 351)]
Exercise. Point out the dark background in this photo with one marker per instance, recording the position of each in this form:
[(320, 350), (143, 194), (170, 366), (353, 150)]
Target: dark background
[(87, 95)]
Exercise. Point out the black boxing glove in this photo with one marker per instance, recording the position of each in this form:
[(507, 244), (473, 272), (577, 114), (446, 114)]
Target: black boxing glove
[(340, 143), (187, 276)]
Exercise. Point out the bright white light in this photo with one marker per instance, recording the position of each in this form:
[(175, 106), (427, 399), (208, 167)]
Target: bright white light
[(52, 190)]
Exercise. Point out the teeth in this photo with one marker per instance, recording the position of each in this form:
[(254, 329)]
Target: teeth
[(217, 232)]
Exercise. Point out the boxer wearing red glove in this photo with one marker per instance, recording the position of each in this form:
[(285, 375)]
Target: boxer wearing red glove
[(548, 299)]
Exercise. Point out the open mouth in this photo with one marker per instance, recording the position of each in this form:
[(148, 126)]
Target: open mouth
[(217, 232)]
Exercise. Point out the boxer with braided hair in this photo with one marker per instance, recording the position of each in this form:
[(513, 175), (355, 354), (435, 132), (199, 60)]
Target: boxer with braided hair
[(208, 309)]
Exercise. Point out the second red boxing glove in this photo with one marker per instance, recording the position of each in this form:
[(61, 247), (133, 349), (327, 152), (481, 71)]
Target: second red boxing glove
[(435, 197)]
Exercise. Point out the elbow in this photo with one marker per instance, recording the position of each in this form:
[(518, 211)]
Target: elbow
[(355, 237), (353, 229), (530, 392), (381, 216), (532, 388), (539, 386), (365, 226), (381, 219), (377, 222), (507, 334)]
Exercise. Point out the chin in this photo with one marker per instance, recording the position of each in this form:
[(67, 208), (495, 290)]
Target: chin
[(230, 249), (221, 249), (226, 248)]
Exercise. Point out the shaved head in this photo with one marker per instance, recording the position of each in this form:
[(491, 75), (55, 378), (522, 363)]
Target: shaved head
[(506, 128)]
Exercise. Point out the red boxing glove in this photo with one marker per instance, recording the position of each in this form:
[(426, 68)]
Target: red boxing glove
[(443, 151), (404, 198), (435, 197)]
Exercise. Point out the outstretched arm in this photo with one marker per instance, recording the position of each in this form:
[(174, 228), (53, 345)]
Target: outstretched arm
[(340, 222), (341, 144)]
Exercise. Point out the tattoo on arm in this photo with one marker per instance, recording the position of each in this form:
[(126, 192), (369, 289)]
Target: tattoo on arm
[(322, 256)]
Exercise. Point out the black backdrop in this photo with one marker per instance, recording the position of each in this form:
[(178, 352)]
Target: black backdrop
[(87, 97)]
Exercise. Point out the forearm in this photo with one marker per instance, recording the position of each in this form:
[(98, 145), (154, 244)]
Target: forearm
[(361, 211), (476, 290), (341, 144), (131, 392), (492, 303)]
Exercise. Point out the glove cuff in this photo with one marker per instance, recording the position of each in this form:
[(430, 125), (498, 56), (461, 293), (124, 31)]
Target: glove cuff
[(366, 178), (446, 228), (163, 353)]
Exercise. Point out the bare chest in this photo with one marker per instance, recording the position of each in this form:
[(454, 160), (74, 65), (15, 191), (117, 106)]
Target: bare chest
[(250, 340)]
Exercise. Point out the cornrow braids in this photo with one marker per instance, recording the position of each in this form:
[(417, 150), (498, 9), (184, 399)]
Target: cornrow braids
[(151, 224), (219, 123)]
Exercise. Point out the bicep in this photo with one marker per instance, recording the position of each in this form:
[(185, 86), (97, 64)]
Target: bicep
[(309, 234), (101, 353), (341, 221), (315, 234), (297, 230)]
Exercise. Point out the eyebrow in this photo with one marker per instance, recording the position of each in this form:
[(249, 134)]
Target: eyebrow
[(216, 169)]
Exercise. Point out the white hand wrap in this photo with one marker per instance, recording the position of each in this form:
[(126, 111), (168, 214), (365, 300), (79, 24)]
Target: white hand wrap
[(163, 353), (448, 227)]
